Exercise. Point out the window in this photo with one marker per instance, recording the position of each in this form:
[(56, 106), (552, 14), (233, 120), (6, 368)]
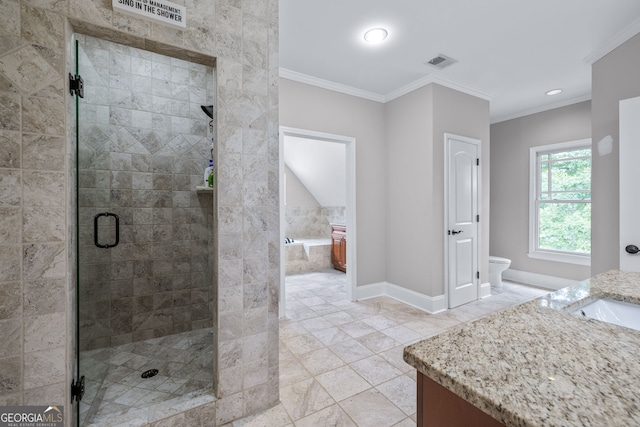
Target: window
[(560, 202)]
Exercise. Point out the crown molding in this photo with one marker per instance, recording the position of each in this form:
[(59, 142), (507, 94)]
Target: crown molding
[(348, 90), (621, 37), (442, 81), (546, 107), (460, 87), (327, 84), (417, 84)]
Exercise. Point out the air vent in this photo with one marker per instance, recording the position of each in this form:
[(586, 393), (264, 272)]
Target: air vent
[(441, 61)]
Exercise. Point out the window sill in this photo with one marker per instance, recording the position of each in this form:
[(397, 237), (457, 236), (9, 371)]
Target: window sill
[(560, 257)]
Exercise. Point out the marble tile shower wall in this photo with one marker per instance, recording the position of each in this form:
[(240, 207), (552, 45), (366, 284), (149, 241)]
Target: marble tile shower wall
[(312, 222), (143, 147), (33, 203), (36, 315)]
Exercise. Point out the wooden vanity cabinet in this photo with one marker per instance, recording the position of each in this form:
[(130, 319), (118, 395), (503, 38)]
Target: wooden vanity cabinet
[(439, 407), (339, 247)]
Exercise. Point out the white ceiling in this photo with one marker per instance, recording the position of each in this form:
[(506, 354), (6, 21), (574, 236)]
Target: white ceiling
[(320, 166), (508, 51)]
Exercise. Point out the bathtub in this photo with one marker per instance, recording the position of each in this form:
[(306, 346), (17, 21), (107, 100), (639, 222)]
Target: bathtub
[(308, 254)]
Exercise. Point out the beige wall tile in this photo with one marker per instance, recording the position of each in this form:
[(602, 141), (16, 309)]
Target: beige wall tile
[(10, 156), (10, 187), (11, 378), (42, 27), (11, 337), (44, 296), (44, 368), (44, 332), (9, 111), (44, 188), (10, 225), (41, 115), (43, 224), (27, 69), (43, 152), (11, 21), (10, 300), (44, 261), (10, 264), (53, 394)]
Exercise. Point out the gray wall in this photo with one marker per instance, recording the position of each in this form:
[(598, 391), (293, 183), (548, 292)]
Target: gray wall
[(400, 167), (416, 124), (297, 193), (410, 213), (465, 115), (614, 77), (510, 143), (312, 108)]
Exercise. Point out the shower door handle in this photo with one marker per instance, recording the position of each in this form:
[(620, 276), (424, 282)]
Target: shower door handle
[(96, 240)]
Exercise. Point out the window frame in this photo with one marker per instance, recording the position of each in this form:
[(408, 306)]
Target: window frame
[(534, 250)]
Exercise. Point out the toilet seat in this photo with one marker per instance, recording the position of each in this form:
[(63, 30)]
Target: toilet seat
[(498, 260)]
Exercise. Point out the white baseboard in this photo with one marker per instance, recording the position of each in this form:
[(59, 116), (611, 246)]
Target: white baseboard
[(426, 303), (485, 290), (538, 280)]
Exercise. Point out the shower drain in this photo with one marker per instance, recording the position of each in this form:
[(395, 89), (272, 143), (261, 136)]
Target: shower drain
[(150, 373)]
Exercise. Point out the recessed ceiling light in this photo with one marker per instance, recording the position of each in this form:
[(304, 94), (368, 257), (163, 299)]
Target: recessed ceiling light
[(553, 92), (376, 35)]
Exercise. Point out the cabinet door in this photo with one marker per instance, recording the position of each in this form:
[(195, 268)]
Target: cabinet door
[(339, 248), (438, 406)]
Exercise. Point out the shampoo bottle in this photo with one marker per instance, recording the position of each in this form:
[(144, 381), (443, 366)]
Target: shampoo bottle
[(210, 179), (207, 172)]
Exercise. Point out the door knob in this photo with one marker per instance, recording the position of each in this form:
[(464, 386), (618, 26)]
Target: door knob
[(632, 249), (454, 232)]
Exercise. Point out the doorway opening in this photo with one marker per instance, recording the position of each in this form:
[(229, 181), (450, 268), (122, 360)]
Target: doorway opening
[(323, 191)]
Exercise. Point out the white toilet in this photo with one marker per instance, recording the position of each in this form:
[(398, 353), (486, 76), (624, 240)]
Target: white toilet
[(496, 266)]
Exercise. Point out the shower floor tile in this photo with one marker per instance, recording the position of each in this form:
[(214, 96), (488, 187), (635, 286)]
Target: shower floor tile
[(124, 397)]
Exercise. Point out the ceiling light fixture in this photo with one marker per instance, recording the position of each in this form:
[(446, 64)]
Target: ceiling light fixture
[(375, 35), (553, 92)]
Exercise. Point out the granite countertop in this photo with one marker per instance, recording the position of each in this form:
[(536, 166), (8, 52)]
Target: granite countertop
[(538, 364)]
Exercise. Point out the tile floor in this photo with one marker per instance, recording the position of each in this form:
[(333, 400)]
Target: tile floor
[(341, 362), (184, 362)]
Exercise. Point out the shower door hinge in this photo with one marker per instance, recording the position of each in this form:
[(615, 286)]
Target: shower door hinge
[(76, 85), (77, 389)]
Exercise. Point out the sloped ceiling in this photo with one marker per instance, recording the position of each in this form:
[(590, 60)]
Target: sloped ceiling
[(320, 166)]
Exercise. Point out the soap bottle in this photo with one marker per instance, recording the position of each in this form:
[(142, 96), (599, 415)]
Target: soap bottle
[(210, 177), (207, 172)]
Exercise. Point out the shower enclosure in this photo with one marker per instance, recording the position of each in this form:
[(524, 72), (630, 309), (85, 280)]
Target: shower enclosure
[(146, 287)]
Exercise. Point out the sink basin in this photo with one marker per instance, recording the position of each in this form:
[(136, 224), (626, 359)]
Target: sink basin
[(611, 311)]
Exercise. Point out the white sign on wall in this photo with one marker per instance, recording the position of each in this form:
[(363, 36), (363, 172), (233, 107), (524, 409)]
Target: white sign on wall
[(157, 10)]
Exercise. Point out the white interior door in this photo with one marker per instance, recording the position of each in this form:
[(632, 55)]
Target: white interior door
[(462, 219), (629, 200)]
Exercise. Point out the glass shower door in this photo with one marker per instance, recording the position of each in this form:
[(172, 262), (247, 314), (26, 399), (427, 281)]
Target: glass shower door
[(101, 224), (145, 235)]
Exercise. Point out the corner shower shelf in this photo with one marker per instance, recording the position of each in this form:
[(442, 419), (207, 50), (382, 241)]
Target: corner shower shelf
[(203, 189)]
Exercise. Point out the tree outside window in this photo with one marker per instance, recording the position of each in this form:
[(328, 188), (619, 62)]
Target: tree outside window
[(560, 220)]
